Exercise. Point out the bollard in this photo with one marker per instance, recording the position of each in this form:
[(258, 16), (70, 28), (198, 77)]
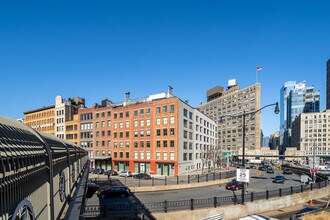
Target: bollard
[(215, 203), (219, 175), (153, 181), (191, 204), (213, 176), (252, 197), (188, 179), (207, 177), (267, 194), (165, 206), (177, 180), (198, 178), (291, 190), (301, 188), (280, 192), (165, 180)]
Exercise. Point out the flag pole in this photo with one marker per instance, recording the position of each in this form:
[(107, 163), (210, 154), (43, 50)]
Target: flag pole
[(257, 75)]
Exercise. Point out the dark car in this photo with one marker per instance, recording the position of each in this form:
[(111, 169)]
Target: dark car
[(113, 192), (253, 167), (91, 189), (279, 179), (263, 168), (98, 171), (287, 171), (142, 176), (305, 210), (234, 185), (111, 173), (270, 170)]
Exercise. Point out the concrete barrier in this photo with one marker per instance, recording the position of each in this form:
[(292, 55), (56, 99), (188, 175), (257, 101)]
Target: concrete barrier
[(180, 186), (236, 211)]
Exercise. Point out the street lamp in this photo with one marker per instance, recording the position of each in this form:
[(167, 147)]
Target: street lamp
[(276, 111)]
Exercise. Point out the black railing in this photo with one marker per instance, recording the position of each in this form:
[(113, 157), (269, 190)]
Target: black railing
[(192, 204), (167, 180)]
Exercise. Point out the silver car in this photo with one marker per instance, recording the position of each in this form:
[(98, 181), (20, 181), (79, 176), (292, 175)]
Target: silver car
[(125, 174)]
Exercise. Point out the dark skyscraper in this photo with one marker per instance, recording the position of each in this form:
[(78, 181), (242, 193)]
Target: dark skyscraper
[(328, 84)]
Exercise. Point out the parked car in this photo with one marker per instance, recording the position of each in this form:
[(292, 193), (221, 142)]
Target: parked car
[(125, 174), (253, 167), (98, 171), (234, 185), (263, 168), (287, 171), (279, 179), (143, 176), (270, 170), (299, 214), (118, 191), (111, 172)]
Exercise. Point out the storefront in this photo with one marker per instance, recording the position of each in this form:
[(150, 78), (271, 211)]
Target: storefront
[(102, 163), (121, 165), (166, 169), (141, 167)]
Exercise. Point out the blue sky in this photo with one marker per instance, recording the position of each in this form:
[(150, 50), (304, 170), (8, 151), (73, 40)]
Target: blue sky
[(102, 49)]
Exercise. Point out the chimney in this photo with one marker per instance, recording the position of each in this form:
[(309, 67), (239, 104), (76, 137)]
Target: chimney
[(186, 101), (169, 91)]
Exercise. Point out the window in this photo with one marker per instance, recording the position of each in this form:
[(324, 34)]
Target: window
[(135, 155), (157, 155), (120, 124), (115, 144), (165, 143), (121, 115), (148, 133), (148, 155), (158, 143), (127, 154), (158, 132), (157, 121), (190, 115), (185, 112), (115, 125), (109, 113), (141, 123), (109, 123), (116, 154), (141, 112), (135, 144), (172, 120), (164, 155), (109, 143), (135, 124), (121, 144), (185, 145), (158, 110), (103, 124), (126, 114), (127, 134), (185, 156), (127, 124), (127, 144), (142, 155), (171, 155), (148, 144), (190, 156), (165, 132), (97, 124), (190, 125), (97, 115), (148, 111), (171, 143), (185, 134), (165, 120), (148, 122), (135, 113), (142, 133), (165, 109), (185, 123), (114, 134), (121, 134), (109, 133), (115, 116), (172, 108), (171, 131), (135, 133), (141, 144)]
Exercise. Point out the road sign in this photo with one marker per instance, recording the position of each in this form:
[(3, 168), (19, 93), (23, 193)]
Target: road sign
[(243, 175), (314, 170)]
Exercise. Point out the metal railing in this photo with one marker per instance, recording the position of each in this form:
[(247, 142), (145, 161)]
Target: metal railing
[(168, 180), (192, 204)]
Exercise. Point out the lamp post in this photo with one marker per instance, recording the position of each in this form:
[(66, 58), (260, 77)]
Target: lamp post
[(276, 111)]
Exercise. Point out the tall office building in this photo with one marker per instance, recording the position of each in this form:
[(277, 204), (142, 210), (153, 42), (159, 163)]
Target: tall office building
[(160, 134), (226, 108), (328, 84), (296, 98)]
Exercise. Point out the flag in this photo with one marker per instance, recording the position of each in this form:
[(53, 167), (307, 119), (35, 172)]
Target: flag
[(259, 68)]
